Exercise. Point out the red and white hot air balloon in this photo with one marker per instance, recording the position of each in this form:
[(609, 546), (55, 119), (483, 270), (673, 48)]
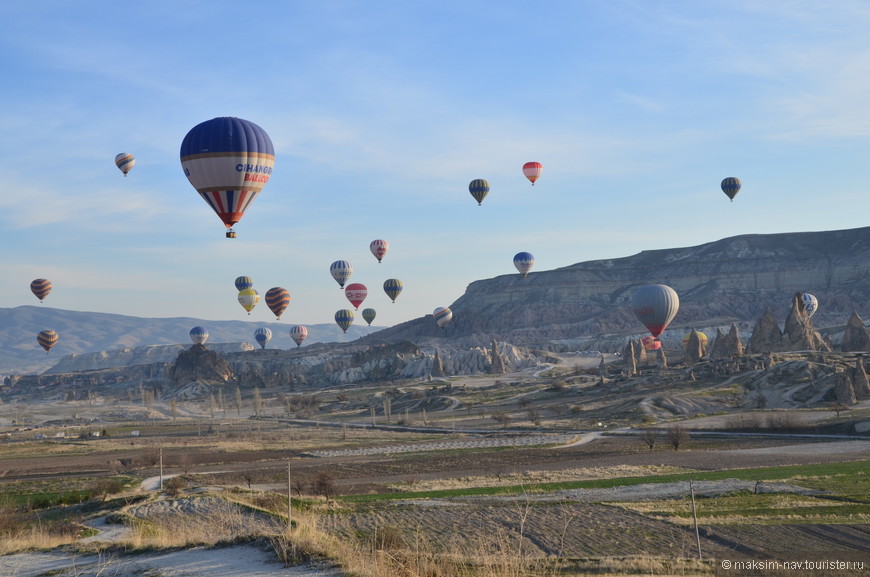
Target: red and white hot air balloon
[(356, 293), (532, 171), (379, 248)]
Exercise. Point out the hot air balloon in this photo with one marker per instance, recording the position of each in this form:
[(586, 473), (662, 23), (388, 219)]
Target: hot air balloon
[(524, 261), (228, 161), (379, 248), (40, 288), (298, 333), (198, 335), (811, 304), (341, 271), (393, 288), (263, 335), (533, 170), (125, 162), (344, 318), (442, 315), (369, 315), (244, 282), (655, 306), (478, 188), (701, 337), (731, 186), (277, 299), (248, 298), (356, 293), (47, 339), (650, 343)]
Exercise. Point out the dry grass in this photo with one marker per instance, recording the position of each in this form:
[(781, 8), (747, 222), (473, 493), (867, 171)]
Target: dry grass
[(534, 477)]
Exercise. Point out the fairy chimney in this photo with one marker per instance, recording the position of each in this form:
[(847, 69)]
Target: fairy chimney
[(860, 383), (799, 333), (766, 335), (856, 338)]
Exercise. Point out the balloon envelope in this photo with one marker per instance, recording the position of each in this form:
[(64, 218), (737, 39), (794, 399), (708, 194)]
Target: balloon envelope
[(524, 261), (341, 271), (701, 337), (478, 188), (298, 333), (811, 304), (47, 339), (393, 287), (379, 248), (344, 318), (263, 335), (369, 315), (125, 162), (198, 335), (277, 299), (442, 316), (40, 288), (731, 186), (655, 306), (244, 282), (248, 298), (228, 161), (356, 293), (533, 170)]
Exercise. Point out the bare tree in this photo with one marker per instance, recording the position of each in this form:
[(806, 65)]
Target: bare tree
[(649, 436), (501, 418), (324, 484), (677, 436)]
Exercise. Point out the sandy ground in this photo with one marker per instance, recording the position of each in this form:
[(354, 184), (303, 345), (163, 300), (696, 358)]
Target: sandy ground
[(226, 562)]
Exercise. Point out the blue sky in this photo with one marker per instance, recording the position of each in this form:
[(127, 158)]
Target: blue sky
[(381, 113)]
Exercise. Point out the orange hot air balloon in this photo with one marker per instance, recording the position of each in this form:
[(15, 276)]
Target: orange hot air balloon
[(533, 171)]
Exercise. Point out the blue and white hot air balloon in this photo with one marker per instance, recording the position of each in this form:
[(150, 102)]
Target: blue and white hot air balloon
[(263, 335), (198, 335), (228, 160), (524, 261), (341, 271)]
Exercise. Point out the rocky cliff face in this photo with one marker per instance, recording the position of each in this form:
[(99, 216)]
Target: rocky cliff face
[(731, 281)]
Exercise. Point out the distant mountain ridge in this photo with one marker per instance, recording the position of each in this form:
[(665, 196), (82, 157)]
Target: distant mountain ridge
[(732, 280), (93, 332)]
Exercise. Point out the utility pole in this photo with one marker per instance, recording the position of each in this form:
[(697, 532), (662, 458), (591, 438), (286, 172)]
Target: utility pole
[(695, 517), (289, 499)]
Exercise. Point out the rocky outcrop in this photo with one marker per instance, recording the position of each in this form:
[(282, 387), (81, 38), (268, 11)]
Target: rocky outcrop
[(844, 391), (799, 333), (497, 365), (856, 338), (694, 348), (766, 336), (860, 383), (199, 364)]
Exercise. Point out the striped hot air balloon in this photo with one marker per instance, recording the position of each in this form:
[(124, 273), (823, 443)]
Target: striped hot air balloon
[(393, 287), (228, 161), (369, 315), (40, 288), (244, 282), (655, 306), (125, 162), (442, 316), (533, 171), (344, 318), (341, 271), (277, 299), (47, 339), (379, 248), (478, 188), (263, 335), (298, 333), (731, 186)]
